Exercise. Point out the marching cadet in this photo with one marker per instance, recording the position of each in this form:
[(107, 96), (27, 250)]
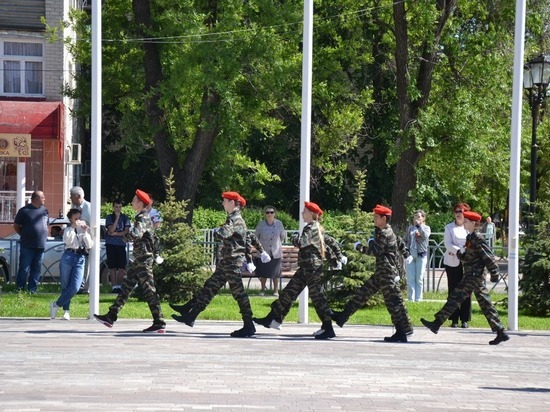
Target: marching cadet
[(386, 248), (141, 269), (475, 256), (233, 234), (310, 261)]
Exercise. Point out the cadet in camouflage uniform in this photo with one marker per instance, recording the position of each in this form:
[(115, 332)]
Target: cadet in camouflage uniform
[(385, 247), (233, 235), (141, 269), (310, 261), (475, 256)]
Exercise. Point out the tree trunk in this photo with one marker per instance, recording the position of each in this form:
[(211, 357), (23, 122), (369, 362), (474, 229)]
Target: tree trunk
[(187, 177)]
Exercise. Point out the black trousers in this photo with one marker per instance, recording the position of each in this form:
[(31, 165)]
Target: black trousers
[(464, 311)]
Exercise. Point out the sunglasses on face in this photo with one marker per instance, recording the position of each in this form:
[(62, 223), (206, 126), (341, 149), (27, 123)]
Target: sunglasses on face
[(459, 211), (270, 212)]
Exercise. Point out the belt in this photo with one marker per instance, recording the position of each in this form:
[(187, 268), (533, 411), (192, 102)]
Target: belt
[(77, 251)]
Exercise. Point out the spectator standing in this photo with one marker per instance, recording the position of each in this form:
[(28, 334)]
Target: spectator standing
[(271, 234), (140, 270), (489, 232), (454, 239), (233, 235), (79, 202), (31, 223), (78, 242), (117, 225), (476, 256), (416, 241), (385, 247)]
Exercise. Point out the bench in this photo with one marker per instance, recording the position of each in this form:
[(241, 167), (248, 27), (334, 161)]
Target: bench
[(289, 264)]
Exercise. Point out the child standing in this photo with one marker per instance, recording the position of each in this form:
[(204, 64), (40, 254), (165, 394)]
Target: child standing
[(141, 269), (475, 255)]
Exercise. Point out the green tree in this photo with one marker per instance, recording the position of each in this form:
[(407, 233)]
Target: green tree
[(185, 267)]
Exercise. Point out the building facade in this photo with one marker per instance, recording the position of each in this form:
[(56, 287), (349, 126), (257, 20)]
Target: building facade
[(37, 132)]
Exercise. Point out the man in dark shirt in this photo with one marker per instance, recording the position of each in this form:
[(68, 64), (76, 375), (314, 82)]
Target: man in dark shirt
[(31, 223)]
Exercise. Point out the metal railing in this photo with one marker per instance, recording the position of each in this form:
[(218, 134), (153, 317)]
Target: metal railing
[(8, 204)]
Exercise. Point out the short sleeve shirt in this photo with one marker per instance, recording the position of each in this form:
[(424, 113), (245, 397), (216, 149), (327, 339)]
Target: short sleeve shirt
[(34, 226)]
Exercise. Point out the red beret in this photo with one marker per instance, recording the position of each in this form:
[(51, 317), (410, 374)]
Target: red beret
[(232, 196), (382, 210), (242, 200), (144, 197), (473, 216), (313, 208)]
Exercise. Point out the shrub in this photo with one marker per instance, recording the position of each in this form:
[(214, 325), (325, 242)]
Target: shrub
[(535, 283), (184, 269)]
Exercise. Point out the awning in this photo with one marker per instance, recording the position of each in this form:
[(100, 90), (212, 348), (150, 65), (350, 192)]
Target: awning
[(42, 120)]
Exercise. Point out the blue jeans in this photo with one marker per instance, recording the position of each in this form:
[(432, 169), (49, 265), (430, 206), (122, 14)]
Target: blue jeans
[(415, 278), (30, 265), (71, 271)]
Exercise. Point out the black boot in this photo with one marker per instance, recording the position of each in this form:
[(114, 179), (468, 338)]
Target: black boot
[(328, 331), (182, 309), (187, 318), (247, 330), (108, 319), (340, 317), (400, 335), (501, 337), (266, 321), (433, 326)]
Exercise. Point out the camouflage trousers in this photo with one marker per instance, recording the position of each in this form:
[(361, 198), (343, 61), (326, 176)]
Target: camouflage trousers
[(462, 291), (304, 276), (226, 271), (388, 284), (140, 272)]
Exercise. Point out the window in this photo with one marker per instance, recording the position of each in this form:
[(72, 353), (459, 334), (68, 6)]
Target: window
[(21, 64)]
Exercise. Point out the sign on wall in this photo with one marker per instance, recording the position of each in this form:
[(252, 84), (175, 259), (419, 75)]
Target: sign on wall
[(15, 145)]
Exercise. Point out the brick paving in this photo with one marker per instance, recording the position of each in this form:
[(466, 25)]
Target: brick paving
[(55, 365)]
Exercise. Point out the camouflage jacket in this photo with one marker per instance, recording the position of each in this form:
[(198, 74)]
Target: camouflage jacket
[(252, 242), (233, 235), (386, 248), (310, 244), (477, 256), (333, 252), (141, 234)]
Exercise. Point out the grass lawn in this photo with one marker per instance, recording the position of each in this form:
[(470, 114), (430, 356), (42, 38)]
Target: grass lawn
[(223, 307)]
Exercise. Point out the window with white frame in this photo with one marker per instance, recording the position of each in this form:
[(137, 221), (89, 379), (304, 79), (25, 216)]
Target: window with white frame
[(22, 68)]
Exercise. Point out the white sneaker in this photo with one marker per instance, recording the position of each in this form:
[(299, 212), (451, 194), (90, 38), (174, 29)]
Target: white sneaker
[(318, 332), (276, 294), (275, 325), (53, 309), (66, 316)]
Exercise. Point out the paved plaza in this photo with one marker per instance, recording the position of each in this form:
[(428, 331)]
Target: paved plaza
[(55, 365)]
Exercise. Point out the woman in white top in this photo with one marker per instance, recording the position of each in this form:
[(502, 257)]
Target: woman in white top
[(78, 242), (271, 234), (455, 238)]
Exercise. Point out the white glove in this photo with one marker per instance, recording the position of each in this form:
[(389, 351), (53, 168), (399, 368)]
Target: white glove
[(409, 260), (370, 240), (462, 250), (251, 267), (356, 245), (264, 257), (159, 259), (344, 260), (338, 266)]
